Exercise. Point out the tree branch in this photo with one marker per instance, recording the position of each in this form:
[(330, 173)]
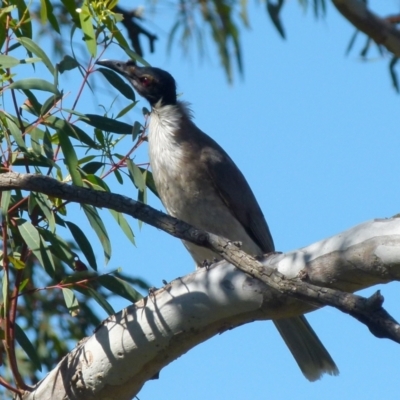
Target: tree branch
[(376, 318), (380, 30), (133, 345)]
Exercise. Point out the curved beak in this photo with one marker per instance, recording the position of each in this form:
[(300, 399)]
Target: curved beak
[(118, 66)]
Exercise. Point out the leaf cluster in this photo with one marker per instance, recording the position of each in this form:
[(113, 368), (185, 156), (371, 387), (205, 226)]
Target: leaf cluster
[(48, 282)]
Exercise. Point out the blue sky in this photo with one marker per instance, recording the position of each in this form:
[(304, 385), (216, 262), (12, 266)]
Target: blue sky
[(314, 133)]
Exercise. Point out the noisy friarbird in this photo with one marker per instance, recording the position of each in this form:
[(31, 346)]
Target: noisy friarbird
[(199, 183)]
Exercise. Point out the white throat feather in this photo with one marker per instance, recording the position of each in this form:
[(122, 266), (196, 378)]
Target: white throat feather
[(165, 152)]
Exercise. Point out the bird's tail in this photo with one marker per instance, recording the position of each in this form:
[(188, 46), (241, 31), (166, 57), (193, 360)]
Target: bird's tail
[(306, 348)]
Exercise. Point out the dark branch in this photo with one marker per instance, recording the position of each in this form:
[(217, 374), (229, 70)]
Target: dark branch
[(368, 311), (377, 28), (135, 30)]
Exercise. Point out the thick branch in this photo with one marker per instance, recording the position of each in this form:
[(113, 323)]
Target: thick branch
[(378, 29), (133, 345), (346, 302)]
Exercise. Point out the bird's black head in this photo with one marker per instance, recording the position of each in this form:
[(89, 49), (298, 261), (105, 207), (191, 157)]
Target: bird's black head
[(154, 84)]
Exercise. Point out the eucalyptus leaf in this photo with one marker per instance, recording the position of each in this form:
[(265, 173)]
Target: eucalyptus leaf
[(108, 124), (67, 64), (87, 27), (44, 204), (31, 46), (136, 175), (8, 61), (120, 287), (71, 301), (70, 130), (34, 84), (101, 301), (39, 248), (99, 228), (119, 84), (27, 346), (83, 243), (121, 220), (70, 158)]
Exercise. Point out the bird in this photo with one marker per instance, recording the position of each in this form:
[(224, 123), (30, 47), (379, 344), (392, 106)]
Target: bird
[(200, 184)]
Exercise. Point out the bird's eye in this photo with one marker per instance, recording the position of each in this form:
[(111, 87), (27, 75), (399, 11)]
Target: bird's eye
[(145, 80)]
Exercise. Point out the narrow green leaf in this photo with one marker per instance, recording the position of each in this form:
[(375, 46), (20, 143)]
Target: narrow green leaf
[(74, 112), (99, 228), (59, 247), (100, 136), (18, 264), (71, 301), (70, 130), (118, 176), (8, 61), (136, 175), (124, 225), (31, 46), (36, 162), (366, 48), (15, 131), (119, 84), (352, 41), (96, 183), (48, 145), (116, 33), (23, 284), (27, 346), (87, 28), (50, 103), (125, 110), (7, 10), (86, 159), (120, 287), (34, 105), (70, 158), (393, 73), (70, 6), (135, 56), (31, 204), (67, 64), (101, 301), (43, 12), (5, 201), (23, 14), (92, 167), (83, 244), (39, 248), (36, 136), (34, 84), (150, 181), (51, 17), (142, 195), (44, 204), (47, 258), (79, 276), (108, 124), (137, 129), (244, 14)]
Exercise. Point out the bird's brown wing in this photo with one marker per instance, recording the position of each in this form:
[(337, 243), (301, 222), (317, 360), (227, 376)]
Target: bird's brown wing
[(236, 193)]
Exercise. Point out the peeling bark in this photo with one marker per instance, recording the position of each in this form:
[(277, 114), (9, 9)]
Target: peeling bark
[(132, 346)]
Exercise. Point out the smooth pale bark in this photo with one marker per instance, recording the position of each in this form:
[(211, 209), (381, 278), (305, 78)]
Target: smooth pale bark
[(132, 346)]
